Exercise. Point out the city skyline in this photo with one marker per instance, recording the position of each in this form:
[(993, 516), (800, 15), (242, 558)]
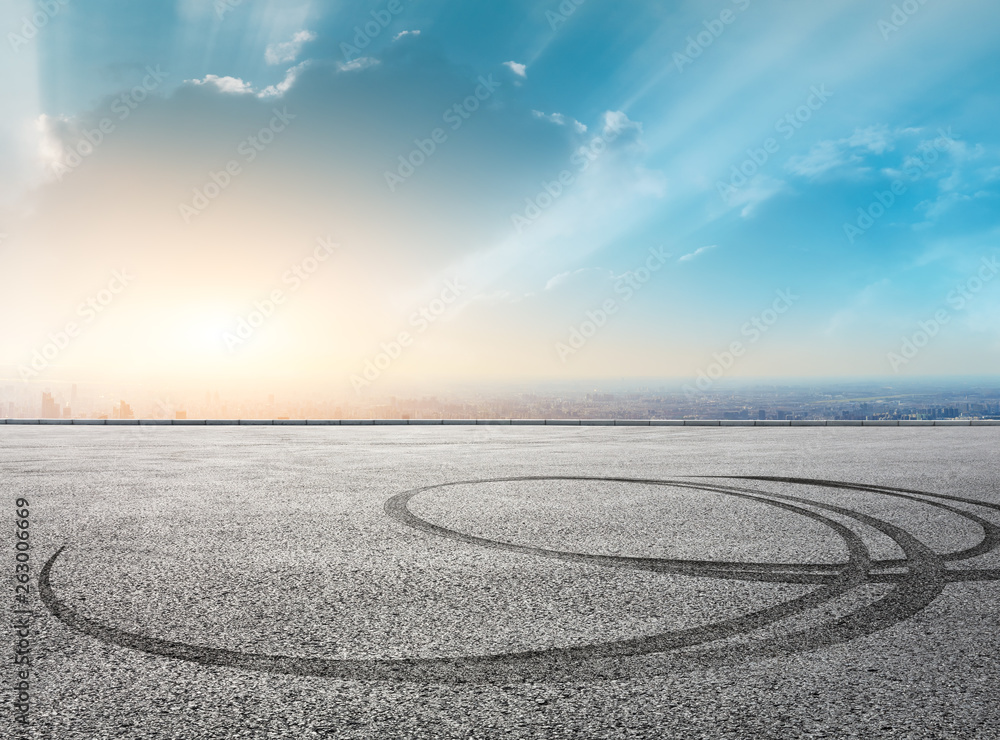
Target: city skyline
[(873, 399)]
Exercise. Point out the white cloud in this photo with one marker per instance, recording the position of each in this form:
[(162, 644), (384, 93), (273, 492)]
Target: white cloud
[(288, 51), (823, 157), (276, 91), (695, 253), (357, 64), (564, 277), (401, 34), (233, 85), (616, 122), (51, 132), (875, 139), (833, 154), (934, 209), (556, 280), (755, 192), (560, 120), (236, 86), (958, 149), (557, 118), (520, 70)]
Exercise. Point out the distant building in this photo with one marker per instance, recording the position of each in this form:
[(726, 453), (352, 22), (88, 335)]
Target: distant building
[(761, 414), (50, 409), (181, 415), (123, 411)]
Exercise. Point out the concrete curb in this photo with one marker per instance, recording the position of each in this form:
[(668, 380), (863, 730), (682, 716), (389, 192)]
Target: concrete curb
[(515, 422)]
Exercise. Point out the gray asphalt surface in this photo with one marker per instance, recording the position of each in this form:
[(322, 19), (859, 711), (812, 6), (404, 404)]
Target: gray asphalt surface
[(398, 582)]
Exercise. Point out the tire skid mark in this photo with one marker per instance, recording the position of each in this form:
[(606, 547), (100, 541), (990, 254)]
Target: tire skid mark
[(922, 578)]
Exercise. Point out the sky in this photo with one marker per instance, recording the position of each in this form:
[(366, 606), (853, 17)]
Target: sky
[(335, 196)]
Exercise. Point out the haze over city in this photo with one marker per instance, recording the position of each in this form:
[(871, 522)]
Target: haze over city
[(868, 399)]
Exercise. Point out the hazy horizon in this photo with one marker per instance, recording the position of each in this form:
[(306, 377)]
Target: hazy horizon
[(649, 398)]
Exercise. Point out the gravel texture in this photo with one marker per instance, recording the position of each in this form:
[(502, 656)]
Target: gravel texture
[(488, 582)]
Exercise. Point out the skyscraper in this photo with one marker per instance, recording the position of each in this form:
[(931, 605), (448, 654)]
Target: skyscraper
[(50, 409), (122, 411)]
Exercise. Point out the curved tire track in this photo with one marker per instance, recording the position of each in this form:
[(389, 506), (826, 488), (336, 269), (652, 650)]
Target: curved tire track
[(924, 579)]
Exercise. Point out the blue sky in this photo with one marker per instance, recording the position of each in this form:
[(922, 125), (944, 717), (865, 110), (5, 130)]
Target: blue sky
[(647, 111)]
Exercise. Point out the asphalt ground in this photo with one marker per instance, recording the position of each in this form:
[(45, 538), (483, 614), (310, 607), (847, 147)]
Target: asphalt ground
[(488, 582)]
